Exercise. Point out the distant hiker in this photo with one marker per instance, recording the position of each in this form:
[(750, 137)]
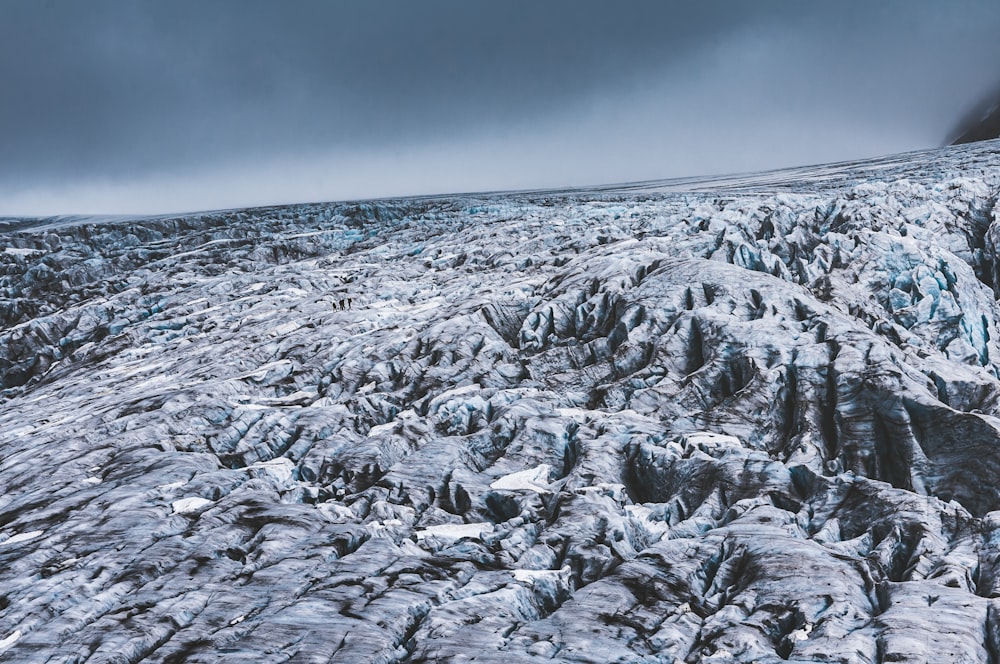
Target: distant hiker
[(343, 304)]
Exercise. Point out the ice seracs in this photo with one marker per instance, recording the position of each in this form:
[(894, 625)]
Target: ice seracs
[(750, 419)]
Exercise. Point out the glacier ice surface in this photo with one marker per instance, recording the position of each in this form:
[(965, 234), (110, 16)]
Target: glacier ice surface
[(746, 419)]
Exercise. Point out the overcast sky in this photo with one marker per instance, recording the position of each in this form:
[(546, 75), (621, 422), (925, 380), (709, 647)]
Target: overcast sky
[(134, 106)]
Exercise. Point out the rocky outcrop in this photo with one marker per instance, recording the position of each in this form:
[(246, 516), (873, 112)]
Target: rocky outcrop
[(751, 421), (982, 123)]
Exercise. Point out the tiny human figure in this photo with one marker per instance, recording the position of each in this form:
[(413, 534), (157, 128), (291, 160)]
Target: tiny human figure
[(343, 304)]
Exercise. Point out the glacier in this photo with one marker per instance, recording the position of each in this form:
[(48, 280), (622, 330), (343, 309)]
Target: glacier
[(739, 419)]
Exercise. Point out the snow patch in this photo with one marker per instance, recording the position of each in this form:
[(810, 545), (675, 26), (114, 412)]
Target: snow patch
[(10, 640), (710, 442), (22, 251), (383, 528), (280, 470), (534, 479), (285, 329), (455, 531), (22, 537), (187, 505), (532, 575)]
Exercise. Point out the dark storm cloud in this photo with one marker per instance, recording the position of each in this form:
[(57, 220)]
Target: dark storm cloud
[(124, 82), (177, 104)]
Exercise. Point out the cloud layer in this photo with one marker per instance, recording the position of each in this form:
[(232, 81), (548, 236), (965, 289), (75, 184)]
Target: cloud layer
[(115, 106)]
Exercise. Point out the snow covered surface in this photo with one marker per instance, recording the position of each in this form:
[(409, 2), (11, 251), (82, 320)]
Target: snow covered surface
[(748, 419), (532, 479), (192, 504), (454, 531)]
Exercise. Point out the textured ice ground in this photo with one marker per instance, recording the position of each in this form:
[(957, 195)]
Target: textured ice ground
[(751, 419)]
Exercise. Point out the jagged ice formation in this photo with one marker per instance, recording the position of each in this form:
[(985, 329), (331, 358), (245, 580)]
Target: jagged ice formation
[(751, 419)]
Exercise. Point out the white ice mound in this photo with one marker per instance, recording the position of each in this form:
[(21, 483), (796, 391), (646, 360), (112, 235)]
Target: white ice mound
[(10, 640), (453, 531), (21, 537), (533, 479), (188, 505)]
